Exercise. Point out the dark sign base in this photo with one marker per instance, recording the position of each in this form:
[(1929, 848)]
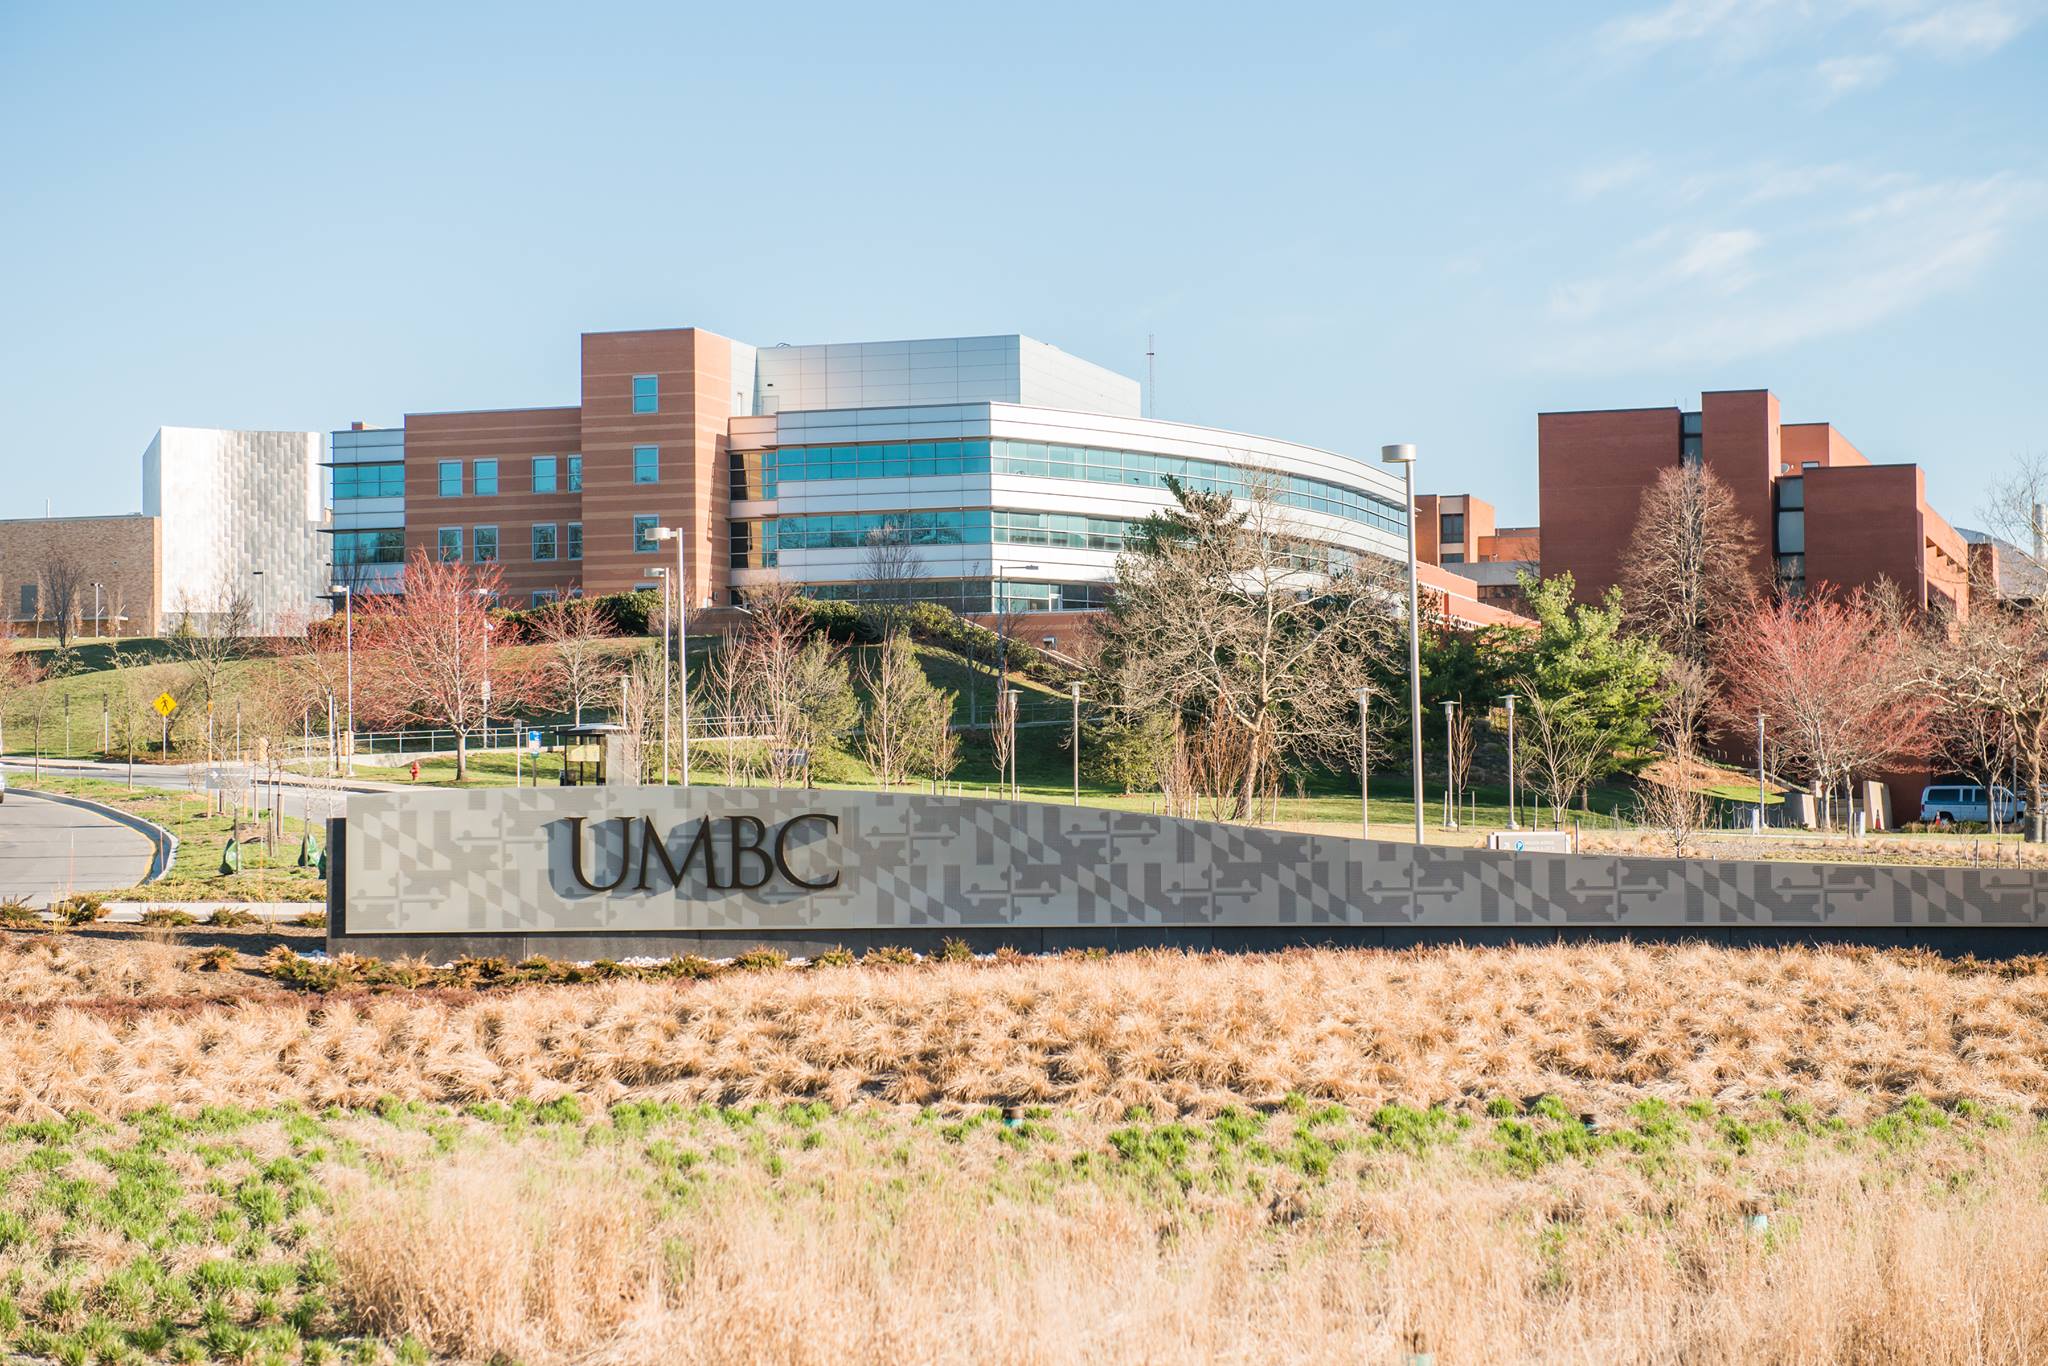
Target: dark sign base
[(1988, 941)]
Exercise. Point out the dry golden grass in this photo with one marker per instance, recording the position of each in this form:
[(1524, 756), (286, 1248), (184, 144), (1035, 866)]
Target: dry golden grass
[(39, 967), (1600, 1026), (884, 1245)]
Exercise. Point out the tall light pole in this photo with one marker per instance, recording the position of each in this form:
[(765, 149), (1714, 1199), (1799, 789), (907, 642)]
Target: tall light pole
[(97, 620), (661, 572), (1759, 772), (348, 645), (682, 610), (1364, 765), (256, 594), (1510, 700), (1404, 456)]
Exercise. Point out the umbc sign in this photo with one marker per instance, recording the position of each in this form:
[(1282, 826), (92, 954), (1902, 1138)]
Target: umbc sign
[(613, 872), (727, 853)]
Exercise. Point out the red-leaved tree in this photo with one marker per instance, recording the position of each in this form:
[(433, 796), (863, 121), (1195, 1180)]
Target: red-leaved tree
[(1836, 681), (431, 656)]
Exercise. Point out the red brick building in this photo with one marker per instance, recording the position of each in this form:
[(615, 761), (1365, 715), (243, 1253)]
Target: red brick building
[(1822, 513)]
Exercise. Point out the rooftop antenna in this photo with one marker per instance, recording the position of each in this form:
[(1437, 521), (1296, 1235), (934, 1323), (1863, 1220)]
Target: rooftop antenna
[(1151, 381)]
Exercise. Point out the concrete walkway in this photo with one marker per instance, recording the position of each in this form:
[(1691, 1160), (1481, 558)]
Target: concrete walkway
[(49, 850)]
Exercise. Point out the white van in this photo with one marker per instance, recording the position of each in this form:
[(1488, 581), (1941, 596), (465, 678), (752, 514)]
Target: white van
[(1948, 804)]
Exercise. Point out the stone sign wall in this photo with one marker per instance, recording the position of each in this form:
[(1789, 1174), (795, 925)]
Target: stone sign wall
[(606, 872)]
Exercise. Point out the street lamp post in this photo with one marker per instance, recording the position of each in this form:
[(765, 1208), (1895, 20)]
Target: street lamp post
[(98, 622), (1759, 772), (256, 594), (348, 645), (682, 611), (1512, 824), (1404, 456), (1364, 765), (661, 572)]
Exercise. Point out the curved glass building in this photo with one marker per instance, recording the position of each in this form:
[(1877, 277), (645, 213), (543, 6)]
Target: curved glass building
[(1000, 471)]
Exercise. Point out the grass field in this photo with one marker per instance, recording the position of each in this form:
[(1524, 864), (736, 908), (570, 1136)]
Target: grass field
[(1612, 1153)]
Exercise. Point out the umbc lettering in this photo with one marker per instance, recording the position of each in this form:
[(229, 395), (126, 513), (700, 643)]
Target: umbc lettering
[(747, 850)]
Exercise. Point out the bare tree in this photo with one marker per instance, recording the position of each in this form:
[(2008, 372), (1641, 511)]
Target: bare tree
[(1673, 801), (61, 583), (211, 640), (930, 741), (1688, 568), (640, 712), (889, 572), (1460, 757), (1003, 736), (1836, 679), (1565, 748), (2017, 513), (576, 638), (1996, 663), (800, 679), (723, 704), (906, 717), (1230, 618), (430, 657)]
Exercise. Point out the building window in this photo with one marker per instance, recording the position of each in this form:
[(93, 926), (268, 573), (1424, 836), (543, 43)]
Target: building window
[(1451, 557), (451, 544), (1791, 533), (543, 474), (486, 544), (451, 478), (28, 601), (542, 597), (647, 464), (486, 478), (575, 474), (371, 481), (1450, 528), (572, 541), (543, 540), (643, 535), (1043, 460), (646, 393), (369, 547)]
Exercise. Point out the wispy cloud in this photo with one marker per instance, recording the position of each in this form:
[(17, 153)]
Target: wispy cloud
[(1595, 181), (1879, 32), (1798, 267), (1959, 31), (1841, 76)]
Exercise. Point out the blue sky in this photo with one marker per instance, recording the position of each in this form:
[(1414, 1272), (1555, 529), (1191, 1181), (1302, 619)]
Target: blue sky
[(1346, 225)]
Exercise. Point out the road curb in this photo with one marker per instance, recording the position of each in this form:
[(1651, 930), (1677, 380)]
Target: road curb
[(162, 843)]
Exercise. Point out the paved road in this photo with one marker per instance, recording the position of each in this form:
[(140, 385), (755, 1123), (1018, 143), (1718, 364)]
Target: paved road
[(50, 849), (297, 800)]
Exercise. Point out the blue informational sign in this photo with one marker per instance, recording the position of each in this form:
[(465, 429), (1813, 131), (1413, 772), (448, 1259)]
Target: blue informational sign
[(533, 741)]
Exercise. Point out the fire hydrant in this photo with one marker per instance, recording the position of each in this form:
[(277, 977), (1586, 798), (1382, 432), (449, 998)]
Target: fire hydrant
[(415, 770)]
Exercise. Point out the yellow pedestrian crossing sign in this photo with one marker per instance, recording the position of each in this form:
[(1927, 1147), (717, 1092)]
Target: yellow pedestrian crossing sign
[(165, 704)]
